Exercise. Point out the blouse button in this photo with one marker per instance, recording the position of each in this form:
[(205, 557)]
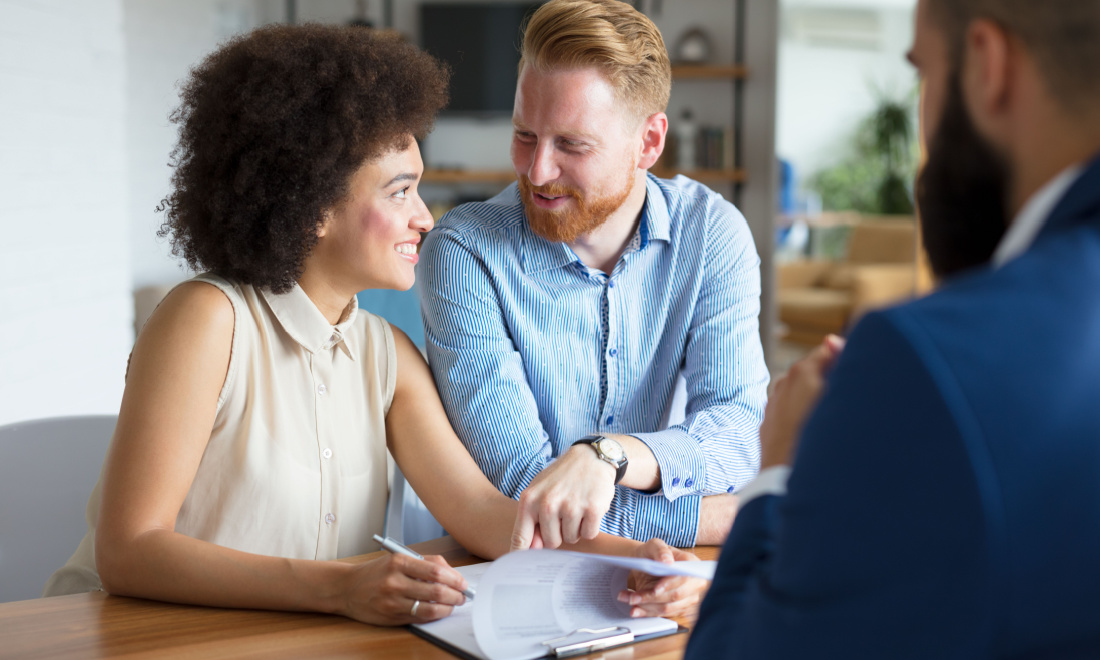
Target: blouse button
[(321, 389), (327, 453), (330, 518)]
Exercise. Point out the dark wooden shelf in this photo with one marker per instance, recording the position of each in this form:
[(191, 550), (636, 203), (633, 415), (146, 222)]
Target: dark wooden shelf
[(702, 71), (508, 176)]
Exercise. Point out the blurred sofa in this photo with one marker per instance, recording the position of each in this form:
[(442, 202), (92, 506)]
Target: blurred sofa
[(817, 297)]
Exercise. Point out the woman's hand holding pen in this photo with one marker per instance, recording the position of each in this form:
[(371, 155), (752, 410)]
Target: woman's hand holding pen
[(397, 590)]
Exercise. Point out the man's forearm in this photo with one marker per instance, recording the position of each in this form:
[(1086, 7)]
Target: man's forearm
[(716, 513), (643, 472)]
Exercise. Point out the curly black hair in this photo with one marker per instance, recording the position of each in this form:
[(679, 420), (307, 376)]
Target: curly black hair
[(272, 127)]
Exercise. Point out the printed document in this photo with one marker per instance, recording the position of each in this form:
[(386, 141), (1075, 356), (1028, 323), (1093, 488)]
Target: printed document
[(527, 598)]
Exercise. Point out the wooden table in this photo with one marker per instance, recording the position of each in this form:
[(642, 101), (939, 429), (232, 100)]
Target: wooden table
[(97, 625)]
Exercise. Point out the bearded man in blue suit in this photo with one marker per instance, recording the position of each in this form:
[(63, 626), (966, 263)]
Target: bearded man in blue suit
[(942, 498)]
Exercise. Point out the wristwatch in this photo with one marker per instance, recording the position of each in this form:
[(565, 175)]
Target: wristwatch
[(609, 451)]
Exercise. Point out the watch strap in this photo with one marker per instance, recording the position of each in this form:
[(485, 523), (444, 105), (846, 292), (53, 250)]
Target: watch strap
[(620, 465)]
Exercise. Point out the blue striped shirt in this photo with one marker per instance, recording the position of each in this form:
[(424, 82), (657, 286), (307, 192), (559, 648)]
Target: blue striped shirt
[(532, 350)]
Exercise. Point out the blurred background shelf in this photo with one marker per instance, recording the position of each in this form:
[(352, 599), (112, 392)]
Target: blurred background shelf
[(732, 71)]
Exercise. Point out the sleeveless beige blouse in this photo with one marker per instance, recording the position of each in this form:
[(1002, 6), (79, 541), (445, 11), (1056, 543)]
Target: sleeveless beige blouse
[(296, 465)]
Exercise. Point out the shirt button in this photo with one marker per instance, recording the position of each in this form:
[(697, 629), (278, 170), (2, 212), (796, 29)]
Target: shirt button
[(330, 518), (321, 389), (676, 481), (327, 453), (688, 482), (611, 285), (611, 419), (614, 352), (730, 489)]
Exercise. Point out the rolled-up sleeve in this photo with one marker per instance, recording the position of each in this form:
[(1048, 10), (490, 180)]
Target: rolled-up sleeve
[(716, 448)]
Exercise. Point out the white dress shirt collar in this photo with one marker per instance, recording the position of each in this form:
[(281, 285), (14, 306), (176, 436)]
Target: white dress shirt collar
[(1031, 218)]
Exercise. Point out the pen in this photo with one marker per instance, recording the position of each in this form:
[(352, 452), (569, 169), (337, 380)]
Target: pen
[(398, 549)]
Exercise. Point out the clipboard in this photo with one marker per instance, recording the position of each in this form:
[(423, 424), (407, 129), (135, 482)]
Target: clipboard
[(522, 604), (579, 642), (583, 641)]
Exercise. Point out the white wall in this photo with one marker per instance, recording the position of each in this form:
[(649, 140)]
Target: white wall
[(824, 91), (64, 255), (164, 39)]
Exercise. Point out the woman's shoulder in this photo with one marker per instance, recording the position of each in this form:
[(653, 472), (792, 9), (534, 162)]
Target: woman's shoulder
[(196, 318), (386, 336), (391, 350), (200, 304)]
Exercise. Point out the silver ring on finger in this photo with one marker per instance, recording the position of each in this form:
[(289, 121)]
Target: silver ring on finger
[(416, 605)]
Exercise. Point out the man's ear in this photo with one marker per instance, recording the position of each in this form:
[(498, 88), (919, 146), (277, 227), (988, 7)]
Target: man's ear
[(654, 129), (989, 74)]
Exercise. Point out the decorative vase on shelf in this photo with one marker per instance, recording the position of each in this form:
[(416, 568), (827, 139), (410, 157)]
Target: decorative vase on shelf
[(694, 47), (685, 141)]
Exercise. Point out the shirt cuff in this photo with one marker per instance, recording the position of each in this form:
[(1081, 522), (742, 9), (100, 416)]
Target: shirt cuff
[(676, 523), (770, 481), (643, 516), (683, 465)]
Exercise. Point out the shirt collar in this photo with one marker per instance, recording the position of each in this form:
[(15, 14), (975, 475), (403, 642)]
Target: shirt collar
[(540, 254), (1031, 218), (306, 325), (655, 211)]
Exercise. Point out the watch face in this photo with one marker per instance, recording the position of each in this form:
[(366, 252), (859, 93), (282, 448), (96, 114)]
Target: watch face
[(610, 449)]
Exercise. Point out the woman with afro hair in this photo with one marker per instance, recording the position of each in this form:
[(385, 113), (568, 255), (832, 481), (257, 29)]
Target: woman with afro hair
[(250, 450)]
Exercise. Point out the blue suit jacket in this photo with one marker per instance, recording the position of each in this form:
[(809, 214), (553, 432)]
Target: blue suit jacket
[(945, 499)]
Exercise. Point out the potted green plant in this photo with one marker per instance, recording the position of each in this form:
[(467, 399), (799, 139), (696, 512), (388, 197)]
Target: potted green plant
[(875, 177)]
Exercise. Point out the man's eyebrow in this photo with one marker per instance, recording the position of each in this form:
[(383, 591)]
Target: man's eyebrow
[(571, 135), (583, 137), (404, 176)]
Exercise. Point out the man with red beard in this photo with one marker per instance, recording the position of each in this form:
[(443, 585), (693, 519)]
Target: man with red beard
[(560, 313), (943, 498)]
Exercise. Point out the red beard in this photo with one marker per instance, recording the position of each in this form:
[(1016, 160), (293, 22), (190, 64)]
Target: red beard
[(579, 218)]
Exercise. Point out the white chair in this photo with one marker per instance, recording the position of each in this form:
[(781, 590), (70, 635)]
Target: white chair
[(408, 521), (48, 468)]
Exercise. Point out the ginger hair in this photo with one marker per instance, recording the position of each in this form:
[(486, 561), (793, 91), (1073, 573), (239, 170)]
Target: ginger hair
[(613, 37)]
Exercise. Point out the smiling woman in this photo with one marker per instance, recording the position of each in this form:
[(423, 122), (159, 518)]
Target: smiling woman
[(370, 238), (260, 402), (272, 128)]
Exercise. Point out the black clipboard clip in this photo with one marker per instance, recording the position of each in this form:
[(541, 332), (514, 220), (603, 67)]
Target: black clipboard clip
[(588, 640)]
